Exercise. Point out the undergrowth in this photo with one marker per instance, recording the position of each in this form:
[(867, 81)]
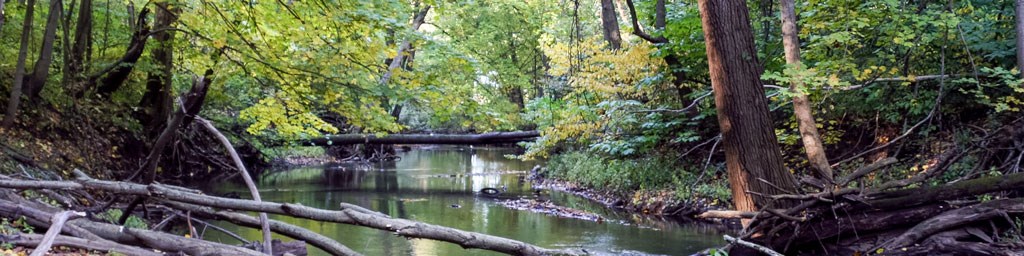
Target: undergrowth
[(640, 175)]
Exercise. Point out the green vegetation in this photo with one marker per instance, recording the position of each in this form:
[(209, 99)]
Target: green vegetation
[(639, 175)]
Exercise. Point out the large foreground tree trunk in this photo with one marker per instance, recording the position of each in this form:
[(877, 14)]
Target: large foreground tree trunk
[(19, 70), (35, 82), (801, 105), (753, 157)]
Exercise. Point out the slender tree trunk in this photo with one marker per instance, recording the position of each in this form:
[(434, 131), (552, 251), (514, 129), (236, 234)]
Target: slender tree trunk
[(400, 60), (35, 82), (157, 101), (801, 105), (659, 14), (1020, 37), (83, 42), (611, 24), (752, 155), (417, 21), (19, 70)]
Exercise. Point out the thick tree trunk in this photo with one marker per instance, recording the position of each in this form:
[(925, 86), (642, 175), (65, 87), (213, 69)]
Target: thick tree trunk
[(37, 79), (610, 23), (753, 158), (457, 139), (83, 42), (801, 106), (156, 103), (1020, 36), (19, 70)]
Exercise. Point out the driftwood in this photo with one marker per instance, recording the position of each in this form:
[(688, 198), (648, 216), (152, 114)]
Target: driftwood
[(348, 214), (454, 139)]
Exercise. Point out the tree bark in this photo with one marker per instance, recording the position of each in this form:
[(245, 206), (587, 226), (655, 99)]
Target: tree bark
[(1019, 7), (82, 45), (454, 139), (610, 23), (37, 79), (753, 158), (801, 105), (19, 70), (157, 103)]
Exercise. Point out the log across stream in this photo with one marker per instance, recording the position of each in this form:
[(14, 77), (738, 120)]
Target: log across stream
[(438, 184)]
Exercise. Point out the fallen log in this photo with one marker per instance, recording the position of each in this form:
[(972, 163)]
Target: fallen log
[(319, 241), (56, 224), (349, 214), (955, 218), (34, 240), (123, 235), (451, 139)]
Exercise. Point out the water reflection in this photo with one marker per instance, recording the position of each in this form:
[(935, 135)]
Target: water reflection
[(437, 185)]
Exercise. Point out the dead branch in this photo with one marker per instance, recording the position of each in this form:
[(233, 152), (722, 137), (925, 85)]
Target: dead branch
[(727, 215), (56, 224), (34, 240), (349, 215), (754, 246), (327, 244), (865, 170), (265, 226), (955, 218), (118, 234)]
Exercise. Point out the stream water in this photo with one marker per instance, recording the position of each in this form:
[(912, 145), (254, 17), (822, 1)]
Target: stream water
[(438, 184)]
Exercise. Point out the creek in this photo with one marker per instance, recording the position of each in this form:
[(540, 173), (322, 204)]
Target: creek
[(439, 185)]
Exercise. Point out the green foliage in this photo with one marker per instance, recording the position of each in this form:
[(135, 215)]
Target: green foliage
[(1002, 92), (650, 173), (112, 215)]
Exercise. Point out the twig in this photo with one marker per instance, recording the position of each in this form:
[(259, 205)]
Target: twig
[(754, 246), (215, 227)]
